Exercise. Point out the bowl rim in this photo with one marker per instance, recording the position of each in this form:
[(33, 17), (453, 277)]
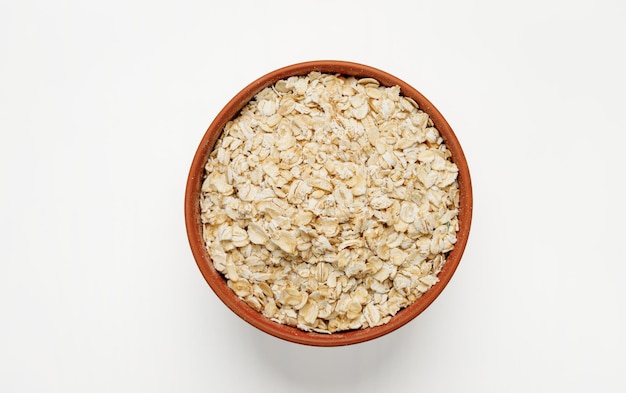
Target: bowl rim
[(215, 279)]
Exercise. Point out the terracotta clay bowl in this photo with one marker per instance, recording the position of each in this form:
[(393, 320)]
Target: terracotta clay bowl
[(218, 283)]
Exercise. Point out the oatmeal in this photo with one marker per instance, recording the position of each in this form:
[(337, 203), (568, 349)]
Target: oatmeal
[(330, 202)]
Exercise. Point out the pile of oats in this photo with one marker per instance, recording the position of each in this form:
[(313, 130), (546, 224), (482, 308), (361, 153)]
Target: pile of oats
[(330, 203)]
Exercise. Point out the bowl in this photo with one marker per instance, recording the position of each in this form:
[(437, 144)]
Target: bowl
[(217, 281)]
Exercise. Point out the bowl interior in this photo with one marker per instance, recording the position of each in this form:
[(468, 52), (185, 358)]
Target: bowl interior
[(217, 281)]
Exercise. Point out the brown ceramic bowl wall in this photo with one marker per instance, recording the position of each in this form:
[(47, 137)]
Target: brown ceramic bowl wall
[(217, 281)]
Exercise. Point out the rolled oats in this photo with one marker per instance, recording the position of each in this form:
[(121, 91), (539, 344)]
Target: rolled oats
[(330, 202)]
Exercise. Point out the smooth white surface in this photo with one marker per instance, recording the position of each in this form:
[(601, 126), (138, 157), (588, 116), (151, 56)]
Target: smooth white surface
[(102, 105)]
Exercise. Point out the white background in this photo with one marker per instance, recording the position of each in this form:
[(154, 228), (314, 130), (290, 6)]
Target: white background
[(102, 106)]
